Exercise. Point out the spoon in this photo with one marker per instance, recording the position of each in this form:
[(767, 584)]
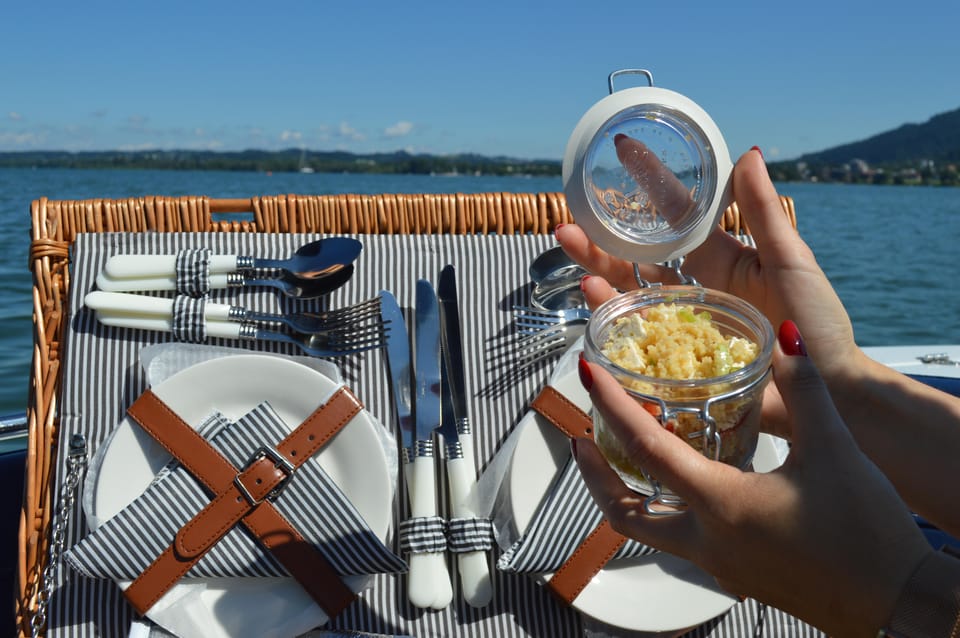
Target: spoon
[(288, 283), (557, 279), (311, 260)]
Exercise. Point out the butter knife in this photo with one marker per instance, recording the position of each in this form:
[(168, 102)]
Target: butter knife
[(427, 419), (461, 464)]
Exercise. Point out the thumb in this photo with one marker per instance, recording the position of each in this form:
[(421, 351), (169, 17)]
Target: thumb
[(805, 395)]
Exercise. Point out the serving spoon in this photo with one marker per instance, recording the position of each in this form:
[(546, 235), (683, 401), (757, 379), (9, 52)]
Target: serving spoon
[(288, 283), (312, 260)]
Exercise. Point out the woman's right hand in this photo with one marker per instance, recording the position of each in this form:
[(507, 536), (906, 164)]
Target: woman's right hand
[(780, 277)]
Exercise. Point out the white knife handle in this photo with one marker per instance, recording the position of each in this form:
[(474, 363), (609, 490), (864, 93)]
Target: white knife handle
[(223, 329), (474, 572), (160, 282), (149, 266), (428, 579)]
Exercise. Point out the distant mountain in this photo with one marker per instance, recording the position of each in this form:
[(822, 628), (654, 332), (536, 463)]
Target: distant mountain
[(937, 139)]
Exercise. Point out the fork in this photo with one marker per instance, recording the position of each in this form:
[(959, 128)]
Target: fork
[(546, 343), (332, 343), (531, 321), (302, 322)]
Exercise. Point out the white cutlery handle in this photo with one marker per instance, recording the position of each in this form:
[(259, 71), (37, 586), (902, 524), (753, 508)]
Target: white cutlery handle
[(126, 303), (429, 581), (160, 282), (474, 571), (149, 266), (223, 329)]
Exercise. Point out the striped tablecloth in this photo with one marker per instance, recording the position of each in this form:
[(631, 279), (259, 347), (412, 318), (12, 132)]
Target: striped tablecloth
[(102, 376)]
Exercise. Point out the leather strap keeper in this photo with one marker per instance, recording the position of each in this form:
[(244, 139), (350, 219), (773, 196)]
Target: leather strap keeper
[(242, 496), (603, 542)]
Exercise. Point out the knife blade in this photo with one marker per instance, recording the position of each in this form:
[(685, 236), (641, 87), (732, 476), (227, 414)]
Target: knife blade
[(401, 373), (420, 589), (433, 578), (461, 465)]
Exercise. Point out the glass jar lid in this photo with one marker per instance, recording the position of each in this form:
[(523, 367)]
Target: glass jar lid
[(646, 173)]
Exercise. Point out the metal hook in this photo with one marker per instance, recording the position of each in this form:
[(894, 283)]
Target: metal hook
[(628, 72)]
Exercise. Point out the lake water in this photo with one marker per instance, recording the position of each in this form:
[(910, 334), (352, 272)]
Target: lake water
[(889, 250)]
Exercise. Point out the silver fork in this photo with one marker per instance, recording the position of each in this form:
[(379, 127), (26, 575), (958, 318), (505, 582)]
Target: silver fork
[(531, 320), (333, 343), (547, 343), (303, 322)]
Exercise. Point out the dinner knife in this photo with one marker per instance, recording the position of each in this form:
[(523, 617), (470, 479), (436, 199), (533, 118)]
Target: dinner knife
[(420, 588), (427, 420), (461, 465)]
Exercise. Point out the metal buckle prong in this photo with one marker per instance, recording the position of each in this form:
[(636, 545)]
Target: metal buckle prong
[(280, 462)]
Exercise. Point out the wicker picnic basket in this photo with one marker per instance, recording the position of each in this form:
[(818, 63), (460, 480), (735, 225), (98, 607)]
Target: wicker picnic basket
[(56, 223)]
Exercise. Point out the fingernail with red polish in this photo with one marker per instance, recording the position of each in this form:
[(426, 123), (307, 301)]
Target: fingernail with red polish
[(557, 228), (586, 377), (583, 282), (790, 340), (757, 149)]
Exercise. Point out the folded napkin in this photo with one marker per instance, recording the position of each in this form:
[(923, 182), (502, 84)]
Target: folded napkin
[(126, 544), (559, 526)]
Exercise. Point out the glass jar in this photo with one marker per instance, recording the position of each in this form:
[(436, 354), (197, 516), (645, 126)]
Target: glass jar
[(718, 416)]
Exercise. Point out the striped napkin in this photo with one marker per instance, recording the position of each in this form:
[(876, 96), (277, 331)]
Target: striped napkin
[(559, 526), (126, 544)]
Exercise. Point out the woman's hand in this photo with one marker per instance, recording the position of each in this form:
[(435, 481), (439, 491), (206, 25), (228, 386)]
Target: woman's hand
[(780, 277), (824, 537)]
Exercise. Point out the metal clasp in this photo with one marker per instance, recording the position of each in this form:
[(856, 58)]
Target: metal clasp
[(613, 75), (279, 461)]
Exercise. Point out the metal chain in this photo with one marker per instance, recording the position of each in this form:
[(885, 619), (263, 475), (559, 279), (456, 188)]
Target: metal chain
[(76, 463)]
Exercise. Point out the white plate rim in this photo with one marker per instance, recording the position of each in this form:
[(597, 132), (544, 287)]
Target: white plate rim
[(355, 458), (658, 581)]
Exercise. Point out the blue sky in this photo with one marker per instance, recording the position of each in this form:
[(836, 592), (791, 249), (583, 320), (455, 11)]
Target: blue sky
[(494, 77)]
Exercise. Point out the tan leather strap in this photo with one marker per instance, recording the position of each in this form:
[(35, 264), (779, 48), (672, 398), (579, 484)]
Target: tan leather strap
[(563, 413), (240, 496), (603, 542), (594, 552)]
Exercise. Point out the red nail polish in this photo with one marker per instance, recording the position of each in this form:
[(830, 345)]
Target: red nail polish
[(790, 340), (757, 149), (586, 377), (557, 228), (583, 281)]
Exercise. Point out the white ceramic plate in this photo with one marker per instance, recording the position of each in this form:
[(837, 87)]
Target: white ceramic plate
[(354, 459), (652, 593)]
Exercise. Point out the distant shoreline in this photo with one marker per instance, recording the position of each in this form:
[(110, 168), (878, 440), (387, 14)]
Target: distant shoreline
[(402, 163)]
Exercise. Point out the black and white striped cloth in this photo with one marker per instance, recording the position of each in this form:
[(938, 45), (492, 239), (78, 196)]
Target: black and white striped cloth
[(564, 519), (127, 543), (102, 374), (193, 271), (188, 321)]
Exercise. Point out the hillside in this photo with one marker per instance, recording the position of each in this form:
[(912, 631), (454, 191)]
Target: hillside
[(912, 153)]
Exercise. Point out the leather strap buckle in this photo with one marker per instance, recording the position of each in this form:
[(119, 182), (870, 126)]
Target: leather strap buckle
[(279, 461)]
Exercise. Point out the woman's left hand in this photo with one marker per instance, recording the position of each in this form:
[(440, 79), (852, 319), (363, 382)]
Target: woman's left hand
[(824, 537)]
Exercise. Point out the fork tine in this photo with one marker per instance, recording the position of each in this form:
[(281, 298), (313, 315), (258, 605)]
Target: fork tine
[(541, 345), (348, 314)]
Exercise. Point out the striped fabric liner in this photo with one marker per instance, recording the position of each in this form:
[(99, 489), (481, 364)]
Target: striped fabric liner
[(193, 271), (565, 518), (423, 535), (126, 544), (102, 375), (188, 322), (470, 535)]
